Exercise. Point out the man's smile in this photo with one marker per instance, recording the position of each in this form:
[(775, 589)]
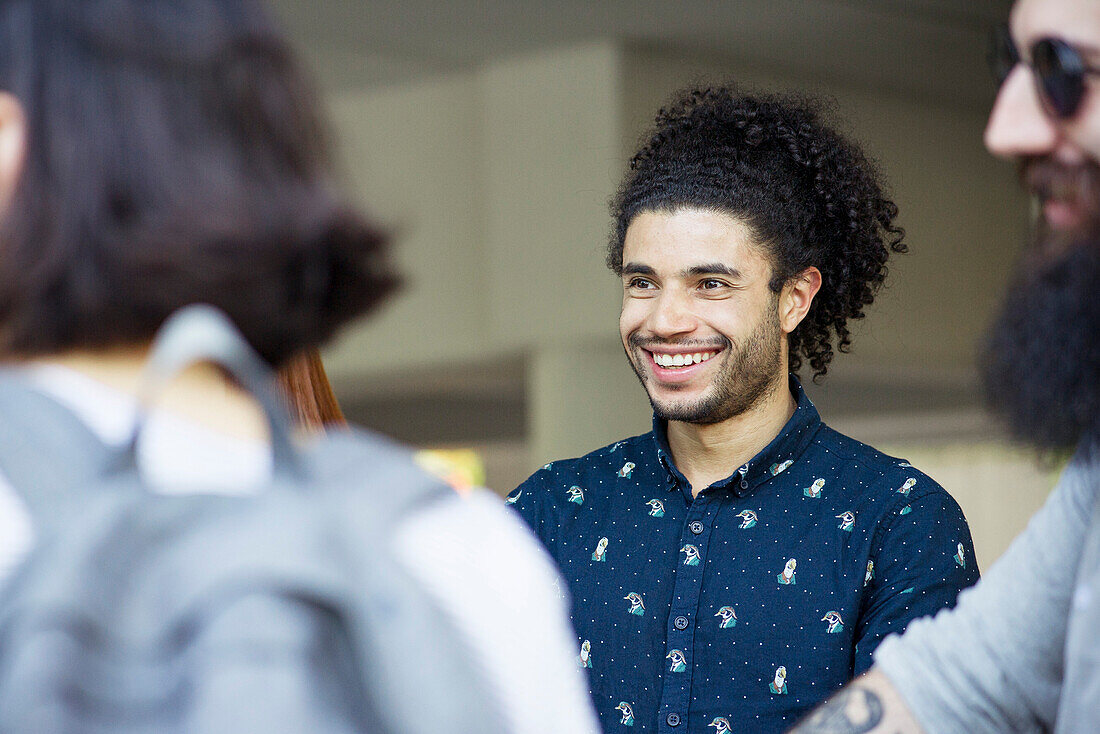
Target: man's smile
[(674, 366), (673, 360)]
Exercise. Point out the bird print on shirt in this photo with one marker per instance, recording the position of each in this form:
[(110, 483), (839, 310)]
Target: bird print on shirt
[(729, 617)]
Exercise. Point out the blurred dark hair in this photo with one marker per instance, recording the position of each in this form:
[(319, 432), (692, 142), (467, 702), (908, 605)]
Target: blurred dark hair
[(174, 156), (810, 197), (1041, 361)]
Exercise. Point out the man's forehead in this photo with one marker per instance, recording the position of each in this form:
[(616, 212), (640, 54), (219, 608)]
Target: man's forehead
[(691, 233), (1075, 21)]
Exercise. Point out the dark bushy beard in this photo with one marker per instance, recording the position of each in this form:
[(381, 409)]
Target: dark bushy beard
[(747, 377), (1041, 366)]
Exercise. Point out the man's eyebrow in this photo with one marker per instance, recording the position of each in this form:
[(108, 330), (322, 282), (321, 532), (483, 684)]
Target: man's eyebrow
[(638, 269), (713, 269)]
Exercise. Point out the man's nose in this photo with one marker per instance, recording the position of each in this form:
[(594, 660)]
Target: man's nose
[(1018, 124), (673, 314)]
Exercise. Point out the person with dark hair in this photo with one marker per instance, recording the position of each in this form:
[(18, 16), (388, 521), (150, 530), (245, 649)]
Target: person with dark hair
[(1020, 652), (732, 567), (161, 153)]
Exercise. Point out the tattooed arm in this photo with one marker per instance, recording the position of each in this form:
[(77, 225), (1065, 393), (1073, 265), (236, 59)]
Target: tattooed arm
[(868, 705)]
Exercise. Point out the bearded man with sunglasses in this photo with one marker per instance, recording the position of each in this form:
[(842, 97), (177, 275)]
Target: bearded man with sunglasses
[(1021, 650)]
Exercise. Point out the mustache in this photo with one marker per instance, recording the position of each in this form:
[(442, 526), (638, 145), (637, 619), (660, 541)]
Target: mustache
[(1049, 178), (643, 342)]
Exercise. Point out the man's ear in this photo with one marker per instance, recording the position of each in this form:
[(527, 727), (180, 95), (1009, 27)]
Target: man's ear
[(796, 297), (13, 146)]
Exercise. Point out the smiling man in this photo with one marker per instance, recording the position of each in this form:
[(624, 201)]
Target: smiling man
[(742, 560)]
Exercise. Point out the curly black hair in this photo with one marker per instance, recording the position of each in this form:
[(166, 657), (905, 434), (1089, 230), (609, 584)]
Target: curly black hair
[(810, 197)]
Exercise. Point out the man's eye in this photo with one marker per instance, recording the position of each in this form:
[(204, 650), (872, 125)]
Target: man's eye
[(638, 283), (711, 284)]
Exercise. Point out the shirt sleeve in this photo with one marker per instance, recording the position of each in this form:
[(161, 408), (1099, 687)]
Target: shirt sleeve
[(529, 500), (923, 557), (995, 662)]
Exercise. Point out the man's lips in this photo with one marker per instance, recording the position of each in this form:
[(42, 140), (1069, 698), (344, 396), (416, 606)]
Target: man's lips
[(1063, 215), (1067, 192)]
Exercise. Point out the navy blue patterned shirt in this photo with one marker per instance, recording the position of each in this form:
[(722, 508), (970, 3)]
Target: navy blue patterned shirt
[(743, 607)]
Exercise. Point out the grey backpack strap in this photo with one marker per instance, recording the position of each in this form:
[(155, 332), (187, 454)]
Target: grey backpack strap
[(45, 450), (202, 333)]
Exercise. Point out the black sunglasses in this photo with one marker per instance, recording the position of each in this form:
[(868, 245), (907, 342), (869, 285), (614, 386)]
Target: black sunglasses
[(1057, 66)]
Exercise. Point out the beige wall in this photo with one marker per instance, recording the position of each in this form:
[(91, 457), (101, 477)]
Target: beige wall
[(413, 156)]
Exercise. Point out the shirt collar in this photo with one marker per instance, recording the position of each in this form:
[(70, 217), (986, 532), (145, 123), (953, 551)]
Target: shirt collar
[(787, 446)]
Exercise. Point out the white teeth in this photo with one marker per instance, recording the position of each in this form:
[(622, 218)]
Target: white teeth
[(681, 360)]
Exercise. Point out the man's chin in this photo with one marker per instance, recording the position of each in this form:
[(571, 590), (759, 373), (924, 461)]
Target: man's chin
[(682, 410), (695, 415)]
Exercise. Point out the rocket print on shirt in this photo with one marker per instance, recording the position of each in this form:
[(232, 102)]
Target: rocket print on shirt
[(835, 623), (600, 554), (748, 519), (779, 468), (678, 663), (585, 658), (870, 573), (779, 683), (656, 508), (814, 490), (628, 467), (636, 605), (512, 500), (960, 556), (627, 712), (691, 555), (576, 495), (786, 576), (729, 617), (906, 486)]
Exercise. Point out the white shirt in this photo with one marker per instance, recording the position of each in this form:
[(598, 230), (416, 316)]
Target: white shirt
[(480, 561)]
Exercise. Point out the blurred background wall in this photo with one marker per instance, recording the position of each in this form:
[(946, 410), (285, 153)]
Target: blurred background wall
[(490, 134)]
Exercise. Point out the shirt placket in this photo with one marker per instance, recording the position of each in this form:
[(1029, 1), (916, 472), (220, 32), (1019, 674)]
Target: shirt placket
[(684, 615)]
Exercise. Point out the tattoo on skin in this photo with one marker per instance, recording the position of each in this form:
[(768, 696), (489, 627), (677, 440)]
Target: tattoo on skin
[(854, 710)]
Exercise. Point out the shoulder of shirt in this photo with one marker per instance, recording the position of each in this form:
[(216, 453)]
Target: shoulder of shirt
[(865, 458), (566, 470)]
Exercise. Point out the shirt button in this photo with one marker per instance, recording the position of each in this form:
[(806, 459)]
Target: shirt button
[(696, 527), (673, 719), (744, 484), (680, 623)]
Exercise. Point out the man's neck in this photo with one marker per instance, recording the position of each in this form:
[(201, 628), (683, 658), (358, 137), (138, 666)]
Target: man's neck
[(707, 453), (201, 394)]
